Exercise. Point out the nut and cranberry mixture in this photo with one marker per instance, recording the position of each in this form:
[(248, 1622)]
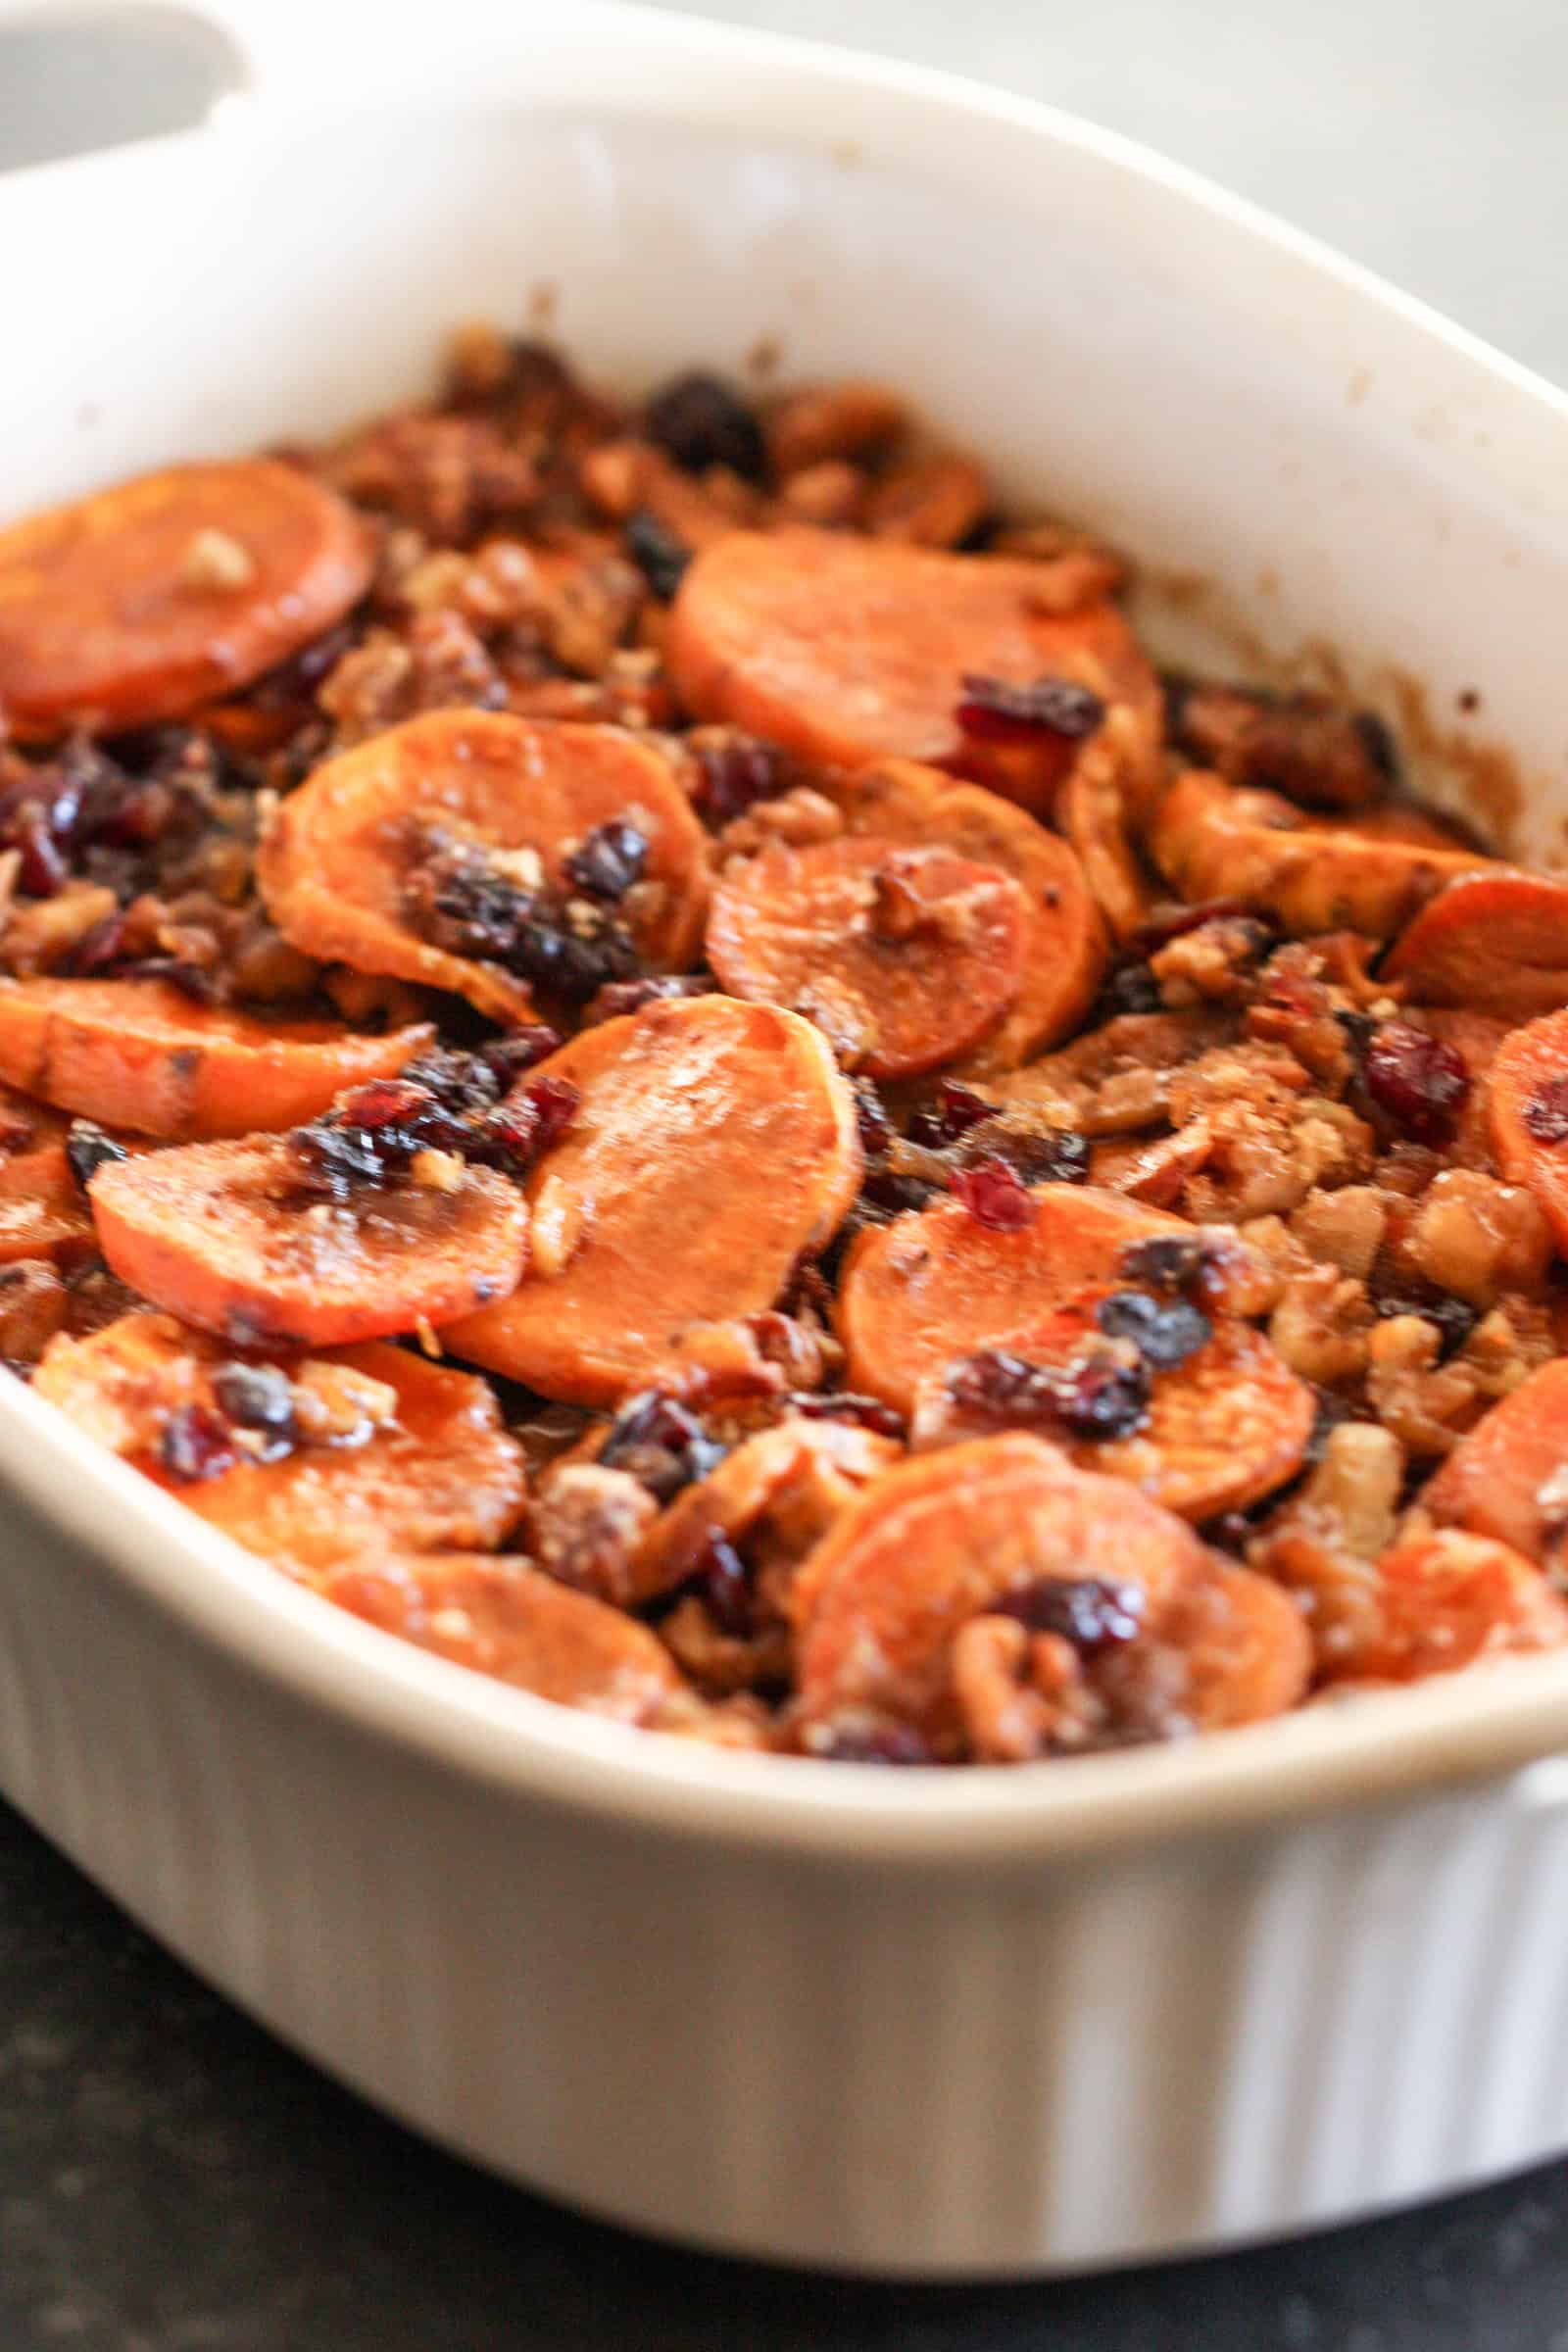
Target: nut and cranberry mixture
[(638, 1042)]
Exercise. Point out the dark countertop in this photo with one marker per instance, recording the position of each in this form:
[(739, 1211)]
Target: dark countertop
[(170, 2181)]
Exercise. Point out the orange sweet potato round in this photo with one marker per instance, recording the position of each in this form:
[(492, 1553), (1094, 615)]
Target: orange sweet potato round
[(146, 599)]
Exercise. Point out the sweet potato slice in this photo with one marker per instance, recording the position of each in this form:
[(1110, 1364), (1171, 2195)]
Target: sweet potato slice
[(847, 650), (714, 1144), (1493, 942), (1221, 1429), (504, 1618), (937, 1283), (1244, 1650), (1065, 947), (43, 1211), (228, 1236), (904, 959), (1371, 874), (407, 1455), (1507, 1477), (146, 599), (1527, 1105), (1446, 1601), (339, 865), (138, 1054), (944, 1540)]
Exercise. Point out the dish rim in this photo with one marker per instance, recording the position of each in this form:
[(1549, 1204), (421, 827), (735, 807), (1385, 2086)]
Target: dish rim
[(1376, 1747)]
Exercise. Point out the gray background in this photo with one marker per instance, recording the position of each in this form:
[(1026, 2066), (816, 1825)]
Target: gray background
[(1428, 138)]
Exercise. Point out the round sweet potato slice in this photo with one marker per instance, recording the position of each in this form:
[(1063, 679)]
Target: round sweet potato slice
[(1221, 1429), (946, 1538), (397, 1454), (1507, 1477), (904, 958), (1527, 1105), (1065, 947), (1492, 943), (138, 1055), (146, 599), (846, 650), (43, 1211), (938, 1283), (714, 1144), (1371, 873), (1446, 1601), (1244, 1650), (504, 1618), (341, 864), (229, 1236)]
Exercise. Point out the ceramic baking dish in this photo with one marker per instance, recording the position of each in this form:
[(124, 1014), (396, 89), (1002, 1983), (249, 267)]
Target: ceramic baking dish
[(977, 2022)]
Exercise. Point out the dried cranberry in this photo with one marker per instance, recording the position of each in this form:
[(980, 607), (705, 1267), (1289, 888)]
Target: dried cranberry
[(700, 421), (658, 554), (1419, 1081), (994, 1196), (572, 962), (98, 946), (1131, 989), (259, 1398), (658, 1441), (1098, 1398), (188, 978), (732, 777), (1164, 1333), (337, 1160), (844, 1404), (892, 1195), (954, 1111), (617, 998), (876, 1128), (721, 1579), (553, 1104), (1039, 1155), (608, 861), (1545, 1114), (1377, 741), (1455, 1320), (41, 871), (873, 1744), (1101, 1398), (384, 1102), (195, 1444), (1091, 1612), (1170, 1263), (88, 1149), (520, 1049), (993, 711)]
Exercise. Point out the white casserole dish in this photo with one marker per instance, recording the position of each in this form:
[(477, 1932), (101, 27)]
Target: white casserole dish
[(979, 2021)]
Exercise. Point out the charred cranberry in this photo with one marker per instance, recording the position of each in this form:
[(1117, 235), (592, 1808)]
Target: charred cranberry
[(993, 711), (335, 1160), (1545, 1114), (608, 861), (700, 420), (954, 1111), (891, 1195), (1455, 1320), (658, 554), (994, 1196), (619, 998), (1419, 1081), (42, 870), (1091, 1612), (1164, 1332), (571, 962), (88, 1149), (658, 1441), (866, 1412), (195, 1444), (733, 776), (259, 1398), (873, 1744), (1377, 741)]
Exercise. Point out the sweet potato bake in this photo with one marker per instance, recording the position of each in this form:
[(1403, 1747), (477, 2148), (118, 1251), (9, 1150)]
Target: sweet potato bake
[(639, 1042)]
